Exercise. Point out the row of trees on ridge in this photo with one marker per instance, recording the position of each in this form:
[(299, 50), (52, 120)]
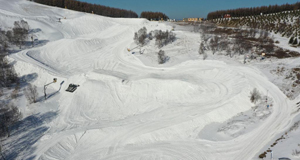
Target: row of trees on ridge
[(241, 12), (154, 15), (87, 7)]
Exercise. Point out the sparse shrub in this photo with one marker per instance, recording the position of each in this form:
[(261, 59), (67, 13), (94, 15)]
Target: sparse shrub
[(263, 155), (254, 96), (31, 93), (277, 42), (280, 53)]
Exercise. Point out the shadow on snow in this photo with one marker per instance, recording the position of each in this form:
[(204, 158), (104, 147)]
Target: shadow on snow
[(26, 133)]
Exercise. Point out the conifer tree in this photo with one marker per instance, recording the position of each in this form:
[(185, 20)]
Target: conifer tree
[(291, 40)]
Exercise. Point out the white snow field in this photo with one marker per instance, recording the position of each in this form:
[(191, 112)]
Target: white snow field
[(128, 106)]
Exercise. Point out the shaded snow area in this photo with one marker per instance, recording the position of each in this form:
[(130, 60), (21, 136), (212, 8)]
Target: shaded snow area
[(240, 124), (128, 106)]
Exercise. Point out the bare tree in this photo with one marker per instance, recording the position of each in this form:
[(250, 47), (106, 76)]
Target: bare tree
[(9, 114), (205, 56), (158, 38), (1, 91), (229, 52), (171, 37), (214, 44), (31, 93), (201, 48), (163, 38), (3, 41), (140, 36), (150, 35), (15, 92), (20, 31), (1, 153), (10, 36), (247, 46), (162, 58), (196, 28), (254, 96), (224, 44), (136, 38), (252, 32)]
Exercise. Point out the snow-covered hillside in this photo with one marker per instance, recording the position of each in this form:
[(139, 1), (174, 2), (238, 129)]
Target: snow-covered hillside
[(128, 106)]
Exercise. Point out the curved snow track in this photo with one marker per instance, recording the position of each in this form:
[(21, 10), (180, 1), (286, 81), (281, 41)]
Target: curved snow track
[(127, 110)]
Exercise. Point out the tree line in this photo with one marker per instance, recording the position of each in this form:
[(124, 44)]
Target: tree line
[(241, 12), (9, 113), (154, 15), (10, 82), (88, 7)]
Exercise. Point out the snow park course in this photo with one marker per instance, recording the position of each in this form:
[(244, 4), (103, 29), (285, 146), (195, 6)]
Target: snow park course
[(128, 106)]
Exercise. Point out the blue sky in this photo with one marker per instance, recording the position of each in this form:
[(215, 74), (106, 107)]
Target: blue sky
[(178, 9)]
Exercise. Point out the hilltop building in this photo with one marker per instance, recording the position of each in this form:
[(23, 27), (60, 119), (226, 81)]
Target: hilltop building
[(192, 19), (227, 16)]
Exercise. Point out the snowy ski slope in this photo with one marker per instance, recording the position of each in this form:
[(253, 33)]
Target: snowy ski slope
[(125, 108)]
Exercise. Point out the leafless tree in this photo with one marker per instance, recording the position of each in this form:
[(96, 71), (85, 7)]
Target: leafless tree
[(15, 92), (3, 41), (142, 33), (252, 32), (8, 75), (269, 48), (171, 37), (20, 31), (229, 52), (247, 46), (164, 38), (1, 153), (136, 38), (140, 36), (205, 56), (9, 114), (150, 35), (224, 44), (196, 28), (1, 91), (254, 95), (31, 93), (214, 44), (265, 34), (162, 58), (10, 36), (201, 48)]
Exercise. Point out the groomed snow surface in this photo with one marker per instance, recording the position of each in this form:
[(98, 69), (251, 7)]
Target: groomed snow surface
[(128, 106)]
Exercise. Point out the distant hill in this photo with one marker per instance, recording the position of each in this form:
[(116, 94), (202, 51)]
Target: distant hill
[(242, 12), (284, 22)]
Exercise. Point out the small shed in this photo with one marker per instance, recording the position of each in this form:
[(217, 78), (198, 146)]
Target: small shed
[(284, 158), (227, 16)]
